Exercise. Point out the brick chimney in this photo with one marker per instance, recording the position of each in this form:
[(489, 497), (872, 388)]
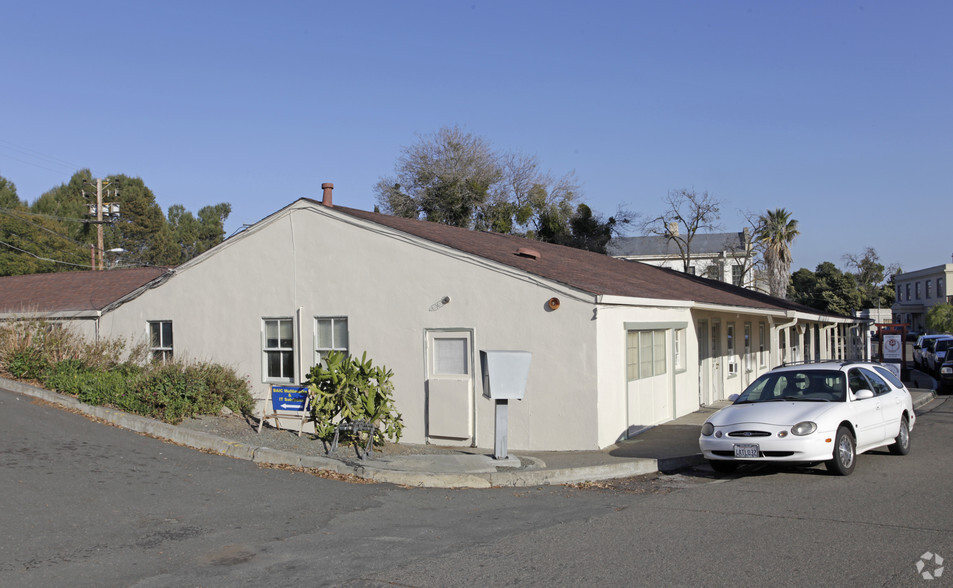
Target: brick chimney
[(326, 199)]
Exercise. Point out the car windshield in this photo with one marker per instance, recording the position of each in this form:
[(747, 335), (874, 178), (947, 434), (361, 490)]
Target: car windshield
[(943, 344), (801, 386)]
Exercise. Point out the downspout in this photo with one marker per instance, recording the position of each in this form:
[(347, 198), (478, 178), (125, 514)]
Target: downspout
[(777, 332)]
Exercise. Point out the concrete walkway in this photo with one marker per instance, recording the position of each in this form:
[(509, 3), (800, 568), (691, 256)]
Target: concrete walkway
[(667, 447)]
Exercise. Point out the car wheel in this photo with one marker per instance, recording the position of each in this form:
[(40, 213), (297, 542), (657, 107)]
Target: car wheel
[(901, 445), (723, 467), (845, 454)]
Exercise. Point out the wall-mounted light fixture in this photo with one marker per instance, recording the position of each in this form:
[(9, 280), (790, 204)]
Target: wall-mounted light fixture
[(553, 303), (440, 303)]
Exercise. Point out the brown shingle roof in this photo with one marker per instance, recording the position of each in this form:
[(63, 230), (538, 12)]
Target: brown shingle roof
[(584, 270), (72, 291)]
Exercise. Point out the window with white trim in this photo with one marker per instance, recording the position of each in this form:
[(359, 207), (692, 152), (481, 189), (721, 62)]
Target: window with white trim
[(747, 347), (737, 275), (330, 334), (678, 340), (160, 340), (450, 356), (278, 350), (732, 359), (645, 354), (762, 346)]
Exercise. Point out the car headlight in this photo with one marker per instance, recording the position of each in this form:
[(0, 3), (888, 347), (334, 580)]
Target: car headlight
[(946, 370), (805, 428), (708, 429)]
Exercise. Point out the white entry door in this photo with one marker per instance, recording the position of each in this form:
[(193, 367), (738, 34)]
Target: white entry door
[(450, 384)]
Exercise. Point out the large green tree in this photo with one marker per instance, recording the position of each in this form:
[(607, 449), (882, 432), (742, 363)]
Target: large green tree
[(31, 244), (194, 236), (777, 230), (871, 276), (940, 318), (456, 178), (827, 289), (8, 195), (55, 233)]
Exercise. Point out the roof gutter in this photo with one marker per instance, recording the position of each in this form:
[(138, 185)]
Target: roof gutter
[(138, 291), (610, 299), (61, 314)]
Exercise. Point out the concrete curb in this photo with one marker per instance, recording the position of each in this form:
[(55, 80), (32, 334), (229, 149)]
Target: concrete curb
[(532, 476), (269, 456), (925, 396)]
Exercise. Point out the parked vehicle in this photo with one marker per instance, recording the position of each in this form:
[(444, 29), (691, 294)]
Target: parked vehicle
[(918, 348), (935, 353), (811, 413), (945, 379)]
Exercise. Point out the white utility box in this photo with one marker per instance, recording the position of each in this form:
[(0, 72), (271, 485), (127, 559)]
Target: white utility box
[(505, 374)]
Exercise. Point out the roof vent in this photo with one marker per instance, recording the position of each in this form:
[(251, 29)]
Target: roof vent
[(526, 252)]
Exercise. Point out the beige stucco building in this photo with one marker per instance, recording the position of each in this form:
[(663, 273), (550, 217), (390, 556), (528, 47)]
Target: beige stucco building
[(919, 291), (616, 346)]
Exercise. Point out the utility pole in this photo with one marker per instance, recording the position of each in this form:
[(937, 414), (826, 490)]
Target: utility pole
[(111, 215)]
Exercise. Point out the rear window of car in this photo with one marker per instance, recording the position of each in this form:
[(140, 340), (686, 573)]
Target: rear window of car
[(889, 376)]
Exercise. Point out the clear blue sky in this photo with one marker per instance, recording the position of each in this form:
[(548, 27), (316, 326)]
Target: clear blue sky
[(841, 112)]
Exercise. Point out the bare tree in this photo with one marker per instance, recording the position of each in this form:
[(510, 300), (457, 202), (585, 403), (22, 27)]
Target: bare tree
[(687, 212)]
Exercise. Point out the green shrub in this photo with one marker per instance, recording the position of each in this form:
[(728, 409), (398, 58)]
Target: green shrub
[(28, 365), (104, 373), (346, 390)]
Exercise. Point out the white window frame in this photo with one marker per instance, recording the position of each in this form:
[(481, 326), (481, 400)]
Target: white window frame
[(646, 342), (321, 351), (737, 275), (730, 350), (747, 344), (164, 349), (265, 349), (678, 351), (762, 346)]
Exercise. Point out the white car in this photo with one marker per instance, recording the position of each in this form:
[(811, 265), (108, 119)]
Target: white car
[(811, 413)]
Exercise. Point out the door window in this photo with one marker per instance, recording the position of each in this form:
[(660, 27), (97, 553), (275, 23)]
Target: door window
[(450, 357)]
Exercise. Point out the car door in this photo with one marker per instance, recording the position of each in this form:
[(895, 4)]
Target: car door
[(865, 412), (891, 403)]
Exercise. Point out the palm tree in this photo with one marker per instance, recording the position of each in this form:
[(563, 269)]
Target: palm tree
[(777, 231)]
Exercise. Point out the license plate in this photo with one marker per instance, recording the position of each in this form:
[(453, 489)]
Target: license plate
[(747, 450)]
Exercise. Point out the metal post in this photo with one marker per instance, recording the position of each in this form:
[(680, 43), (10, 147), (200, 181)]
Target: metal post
[(99, 221), (499, 445)]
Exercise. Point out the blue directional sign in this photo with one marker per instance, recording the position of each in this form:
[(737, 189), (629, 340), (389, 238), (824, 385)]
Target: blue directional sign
[(289, 398)]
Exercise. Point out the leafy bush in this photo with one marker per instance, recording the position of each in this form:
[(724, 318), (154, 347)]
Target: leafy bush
[(347, 390), (103, 373)]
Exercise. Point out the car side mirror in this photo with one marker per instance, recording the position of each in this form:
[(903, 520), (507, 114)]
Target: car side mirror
[(732, 397), (863, 394)]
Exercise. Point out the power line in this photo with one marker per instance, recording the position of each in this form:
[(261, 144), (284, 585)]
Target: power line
[(49, 216), (83, 247), (39, 226), (42, 258), (37, 155)]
